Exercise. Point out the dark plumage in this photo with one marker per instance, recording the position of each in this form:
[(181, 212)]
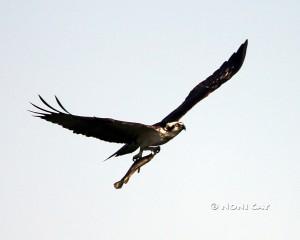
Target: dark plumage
[(105, 129), (210, 84), (138, 135)]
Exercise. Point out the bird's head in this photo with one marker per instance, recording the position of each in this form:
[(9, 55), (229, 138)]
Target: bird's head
[(175, 127)]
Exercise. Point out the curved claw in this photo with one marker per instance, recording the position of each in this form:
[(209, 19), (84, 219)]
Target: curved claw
[(136, 158), (157, 150)]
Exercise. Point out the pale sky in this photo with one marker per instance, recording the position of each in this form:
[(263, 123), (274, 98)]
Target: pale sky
[(137, 61)]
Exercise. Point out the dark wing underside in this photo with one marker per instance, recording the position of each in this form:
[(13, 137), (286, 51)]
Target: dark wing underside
[(106, 129), (204, 88)]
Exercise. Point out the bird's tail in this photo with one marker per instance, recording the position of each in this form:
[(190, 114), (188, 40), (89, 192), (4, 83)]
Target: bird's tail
[(127, 148)]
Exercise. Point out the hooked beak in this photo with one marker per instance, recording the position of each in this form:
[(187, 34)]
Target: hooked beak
[(183, 127)]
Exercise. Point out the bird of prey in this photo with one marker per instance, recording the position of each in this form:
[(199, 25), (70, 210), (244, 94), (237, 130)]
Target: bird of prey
[(137, 135)]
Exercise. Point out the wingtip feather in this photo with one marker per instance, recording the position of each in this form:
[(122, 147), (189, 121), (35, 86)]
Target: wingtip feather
[(59, 103), (240, 55), (48, 105)]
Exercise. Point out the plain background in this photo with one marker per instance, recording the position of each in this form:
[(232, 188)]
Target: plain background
[(136, 61)]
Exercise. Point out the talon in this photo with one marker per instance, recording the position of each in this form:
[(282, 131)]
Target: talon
[(157, 150), (136, 158)]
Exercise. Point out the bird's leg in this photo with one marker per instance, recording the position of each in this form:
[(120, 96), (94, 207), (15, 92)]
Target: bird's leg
[(154, 149), (138, 156)]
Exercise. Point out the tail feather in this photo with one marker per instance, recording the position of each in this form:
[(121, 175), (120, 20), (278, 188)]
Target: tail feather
[(127, 148)]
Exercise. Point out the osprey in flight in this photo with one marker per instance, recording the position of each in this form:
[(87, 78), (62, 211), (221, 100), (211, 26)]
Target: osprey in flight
[(137, 135)]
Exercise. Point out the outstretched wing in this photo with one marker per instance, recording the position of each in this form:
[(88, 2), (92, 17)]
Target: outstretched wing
[(204, 88), (106, 129)]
